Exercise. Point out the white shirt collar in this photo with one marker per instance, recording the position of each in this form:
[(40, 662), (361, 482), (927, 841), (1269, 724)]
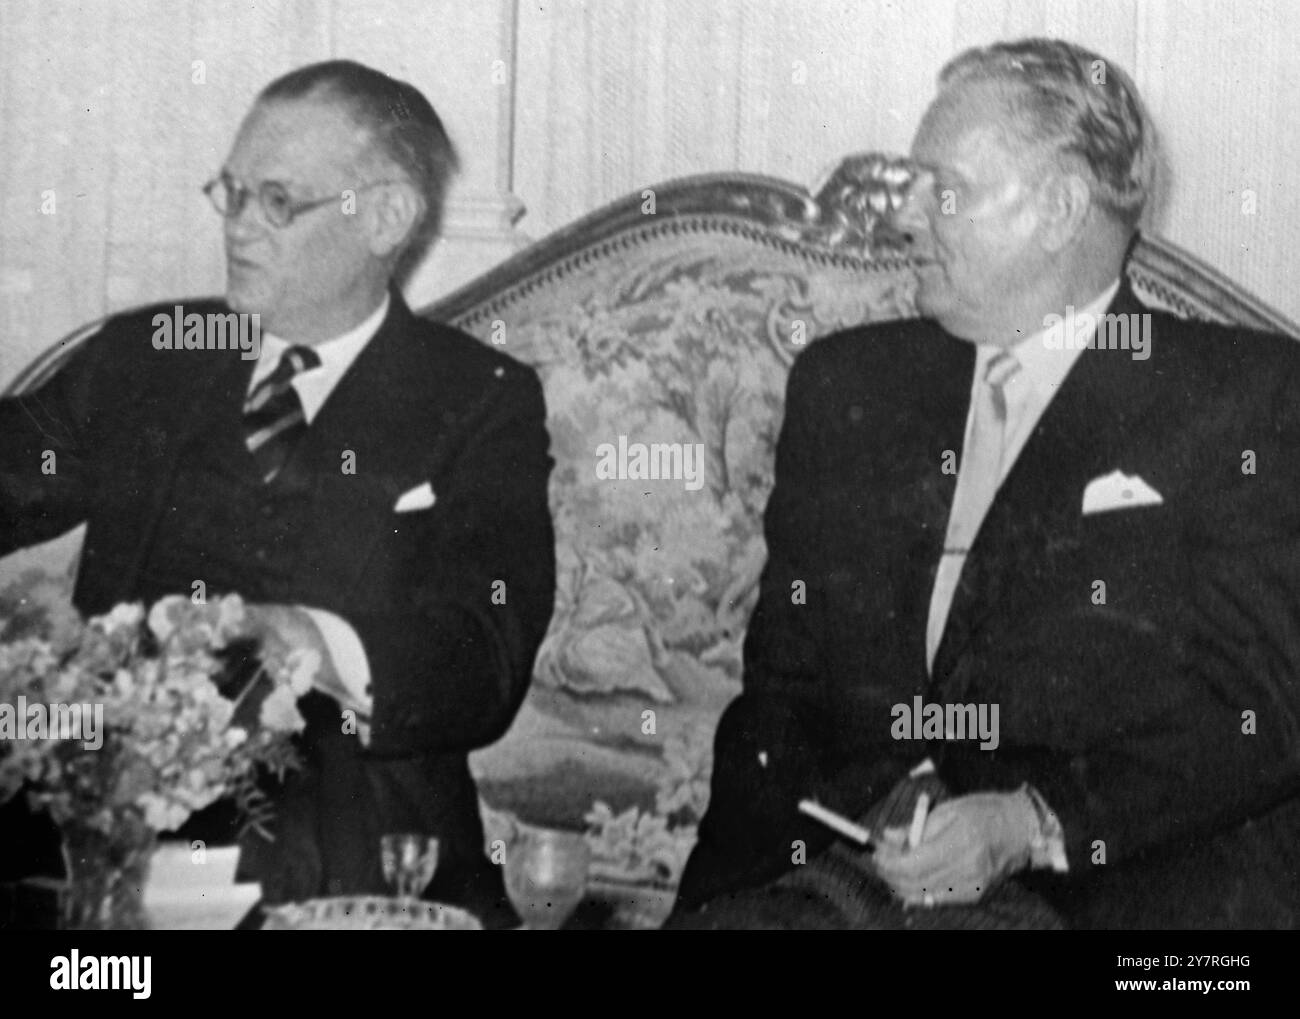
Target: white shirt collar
[(1045, 366), (336, 356), (1028, 392)]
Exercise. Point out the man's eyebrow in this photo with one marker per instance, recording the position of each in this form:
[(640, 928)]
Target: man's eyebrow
[(288, 185), (945, 173), (934, 171), (924, 166)]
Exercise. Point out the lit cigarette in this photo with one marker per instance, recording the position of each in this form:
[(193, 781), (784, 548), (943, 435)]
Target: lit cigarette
[(835, 822), (918, 820)]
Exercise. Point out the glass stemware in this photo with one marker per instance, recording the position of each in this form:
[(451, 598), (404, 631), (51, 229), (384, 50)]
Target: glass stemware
[(546, 875), (409, 862)]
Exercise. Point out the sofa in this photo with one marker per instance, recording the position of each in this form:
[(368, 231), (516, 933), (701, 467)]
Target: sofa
[(669, 319)]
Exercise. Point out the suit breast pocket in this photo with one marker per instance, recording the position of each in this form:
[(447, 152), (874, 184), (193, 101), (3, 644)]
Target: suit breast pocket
[(348, 530), (1125, 530), (403, 559), (1130, 558)]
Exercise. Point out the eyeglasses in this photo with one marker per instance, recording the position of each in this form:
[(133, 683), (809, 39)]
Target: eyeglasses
[(278, 206)]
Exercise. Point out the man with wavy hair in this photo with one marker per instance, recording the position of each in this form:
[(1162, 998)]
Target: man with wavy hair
[(1112, 573)]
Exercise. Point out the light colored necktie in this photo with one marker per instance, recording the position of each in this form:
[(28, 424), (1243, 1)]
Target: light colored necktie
[(977, 484)]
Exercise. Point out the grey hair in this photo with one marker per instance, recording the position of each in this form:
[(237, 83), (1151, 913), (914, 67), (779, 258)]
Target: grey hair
[(1083, 106), (401, 123)]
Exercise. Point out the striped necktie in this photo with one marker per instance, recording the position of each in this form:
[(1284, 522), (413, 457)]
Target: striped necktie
[(273, 415), (978, 479)]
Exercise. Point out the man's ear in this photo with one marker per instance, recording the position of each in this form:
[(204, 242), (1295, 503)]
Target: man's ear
[(391, 216), (1064, 202)]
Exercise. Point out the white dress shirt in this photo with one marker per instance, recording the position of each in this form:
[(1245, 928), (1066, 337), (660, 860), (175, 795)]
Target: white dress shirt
[(1030, 390), (336, 356), (314, 387), (1025, 394)]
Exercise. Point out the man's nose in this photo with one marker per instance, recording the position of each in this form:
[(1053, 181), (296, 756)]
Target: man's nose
[(246, 224), (913, 217)]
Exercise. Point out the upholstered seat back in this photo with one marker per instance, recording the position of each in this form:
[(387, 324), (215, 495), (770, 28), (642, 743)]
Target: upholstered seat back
[(669, 333)]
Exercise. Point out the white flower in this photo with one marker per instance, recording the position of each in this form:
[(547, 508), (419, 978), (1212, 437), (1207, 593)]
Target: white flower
[(235, 737), (124, 616), (160, 814), (64, 685), (231, 619), (303, 665), (164, 616), (279, 712), (220, 712), (123, 682)]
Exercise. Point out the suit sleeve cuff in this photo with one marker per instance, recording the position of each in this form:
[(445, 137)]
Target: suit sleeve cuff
[(1047, 850), (347, 654)]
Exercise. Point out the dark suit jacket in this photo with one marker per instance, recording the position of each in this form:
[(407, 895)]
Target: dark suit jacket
[(1127, 716), (449, 666)]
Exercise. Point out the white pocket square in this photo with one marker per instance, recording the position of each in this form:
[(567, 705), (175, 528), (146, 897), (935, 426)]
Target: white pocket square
[(1118, 490), (418, 498)]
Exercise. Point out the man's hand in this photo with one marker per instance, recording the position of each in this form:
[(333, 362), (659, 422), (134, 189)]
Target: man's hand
[(968, 843), (285, 627)]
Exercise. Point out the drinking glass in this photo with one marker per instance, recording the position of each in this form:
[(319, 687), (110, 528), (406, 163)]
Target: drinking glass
[(409, 862), (546, 874)]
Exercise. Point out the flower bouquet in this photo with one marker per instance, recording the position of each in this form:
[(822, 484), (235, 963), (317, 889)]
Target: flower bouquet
[(123, 725)]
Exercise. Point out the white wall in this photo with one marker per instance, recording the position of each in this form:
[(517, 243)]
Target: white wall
[(588, 102)]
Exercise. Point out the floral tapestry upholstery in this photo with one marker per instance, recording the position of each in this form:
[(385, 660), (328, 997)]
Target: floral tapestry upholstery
[(679, 326), (676, 327)]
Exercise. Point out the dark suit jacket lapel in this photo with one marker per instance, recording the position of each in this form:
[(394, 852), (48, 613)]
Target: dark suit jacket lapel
[(359, 413), (924, 491), (398, 410), (1078, 437), (206, 399)]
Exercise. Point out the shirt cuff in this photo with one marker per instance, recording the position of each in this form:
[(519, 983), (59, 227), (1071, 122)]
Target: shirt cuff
[(926, 767), (1047, 851), (347, 654)]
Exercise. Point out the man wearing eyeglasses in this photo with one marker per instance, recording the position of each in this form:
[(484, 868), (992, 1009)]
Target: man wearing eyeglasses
[(374, 484)]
